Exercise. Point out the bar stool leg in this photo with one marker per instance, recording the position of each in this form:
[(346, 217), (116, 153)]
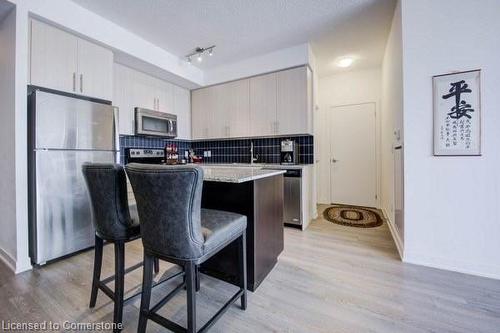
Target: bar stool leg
[(147, 282), (191, 296), (119, 282), (198, 282), (157, 265), (97, 270), (242, 254)]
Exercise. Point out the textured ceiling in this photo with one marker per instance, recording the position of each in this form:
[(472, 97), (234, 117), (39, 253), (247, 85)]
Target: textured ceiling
[(244, 28)]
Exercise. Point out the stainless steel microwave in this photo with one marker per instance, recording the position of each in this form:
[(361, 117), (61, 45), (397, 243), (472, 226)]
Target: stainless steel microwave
[(149, 122)]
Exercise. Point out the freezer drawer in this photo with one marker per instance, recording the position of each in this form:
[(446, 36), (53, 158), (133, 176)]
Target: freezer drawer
[(62, 223), (292, 198)]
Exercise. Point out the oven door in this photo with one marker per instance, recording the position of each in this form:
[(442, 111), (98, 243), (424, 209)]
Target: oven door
[(148, 122)]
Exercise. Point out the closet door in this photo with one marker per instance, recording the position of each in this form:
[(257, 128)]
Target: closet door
[(53, 58)]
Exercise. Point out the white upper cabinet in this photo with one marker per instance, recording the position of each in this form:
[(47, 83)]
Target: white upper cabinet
[(263, 105), (272, 104), (123, 99), (135, 89), (95, 68), (54, 55), (65, 62), (144, 91), (294, 105), (201, 108), (182, 108), (235, 109)]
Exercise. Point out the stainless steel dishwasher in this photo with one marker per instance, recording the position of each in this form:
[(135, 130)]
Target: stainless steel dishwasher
[(293, 197)]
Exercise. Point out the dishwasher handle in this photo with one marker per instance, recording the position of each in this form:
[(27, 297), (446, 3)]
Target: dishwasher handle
[(297, 173)]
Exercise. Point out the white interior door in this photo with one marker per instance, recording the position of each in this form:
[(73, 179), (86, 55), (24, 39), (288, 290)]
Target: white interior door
[(353, 163)]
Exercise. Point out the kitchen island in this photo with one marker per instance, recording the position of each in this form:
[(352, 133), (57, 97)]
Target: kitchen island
[(258, 194)]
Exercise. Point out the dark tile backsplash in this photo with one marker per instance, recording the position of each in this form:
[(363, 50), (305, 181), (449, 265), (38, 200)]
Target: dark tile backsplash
[(228, 150)]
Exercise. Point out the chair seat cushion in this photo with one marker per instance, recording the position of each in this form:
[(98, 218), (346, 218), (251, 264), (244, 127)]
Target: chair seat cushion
[(220, 227)]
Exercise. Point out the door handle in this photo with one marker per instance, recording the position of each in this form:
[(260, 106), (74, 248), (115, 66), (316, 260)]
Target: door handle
[(81, 83), (74, 81)]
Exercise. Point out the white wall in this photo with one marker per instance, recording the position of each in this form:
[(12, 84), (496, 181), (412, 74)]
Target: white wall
[(8, 249), (452, 219), (281, 59), (391, 119), (341, 89)]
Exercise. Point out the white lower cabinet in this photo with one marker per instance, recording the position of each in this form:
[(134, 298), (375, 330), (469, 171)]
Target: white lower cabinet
[(136, 89)]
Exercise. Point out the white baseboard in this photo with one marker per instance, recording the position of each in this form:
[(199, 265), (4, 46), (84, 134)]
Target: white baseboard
[(395, 234), (487, 271), (18, 266), (8, 260), (23, 265)]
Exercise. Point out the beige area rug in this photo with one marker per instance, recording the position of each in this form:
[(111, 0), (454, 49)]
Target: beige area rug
[(354, 216)]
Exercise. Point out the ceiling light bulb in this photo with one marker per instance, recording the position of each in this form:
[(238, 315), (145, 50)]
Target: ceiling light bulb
[(345, 62), (199, 58), (210, 52)]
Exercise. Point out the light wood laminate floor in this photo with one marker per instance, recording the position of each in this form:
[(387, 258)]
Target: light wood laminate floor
[(330, 278)]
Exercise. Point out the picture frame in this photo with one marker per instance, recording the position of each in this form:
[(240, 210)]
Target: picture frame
[(457, 113)]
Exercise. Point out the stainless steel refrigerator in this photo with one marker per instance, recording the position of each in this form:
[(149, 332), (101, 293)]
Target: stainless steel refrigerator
[(64, 132)]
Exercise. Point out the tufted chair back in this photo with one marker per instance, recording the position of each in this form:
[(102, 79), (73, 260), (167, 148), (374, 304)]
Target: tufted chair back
[(107, 186), (169, 205)]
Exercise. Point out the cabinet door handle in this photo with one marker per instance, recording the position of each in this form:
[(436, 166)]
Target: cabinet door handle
[(81, 83), (74, 81), (157, 103)]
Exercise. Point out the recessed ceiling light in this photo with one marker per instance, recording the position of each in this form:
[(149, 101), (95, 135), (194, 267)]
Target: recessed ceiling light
[(345, 62)]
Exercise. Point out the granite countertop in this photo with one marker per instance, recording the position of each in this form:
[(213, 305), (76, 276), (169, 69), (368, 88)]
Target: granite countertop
[(259, 165), (236, 174)]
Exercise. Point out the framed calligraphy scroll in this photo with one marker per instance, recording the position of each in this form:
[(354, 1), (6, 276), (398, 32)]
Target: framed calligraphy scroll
[(457, 114)]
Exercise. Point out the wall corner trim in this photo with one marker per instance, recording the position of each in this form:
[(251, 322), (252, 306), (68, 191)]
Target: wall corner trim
[(395, 235)]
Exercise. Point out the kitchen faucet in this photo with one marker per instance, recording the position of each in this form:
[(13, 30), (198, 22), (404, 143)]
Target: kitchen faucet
[(253, 158)]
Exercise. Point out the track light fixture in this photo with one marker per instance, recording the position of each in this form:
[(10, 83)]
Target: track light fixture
[(199, 52)]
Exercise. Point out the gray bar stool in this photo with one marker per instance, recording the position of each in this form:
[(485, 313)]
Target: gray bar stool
[(114, 222), (175, 229)]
